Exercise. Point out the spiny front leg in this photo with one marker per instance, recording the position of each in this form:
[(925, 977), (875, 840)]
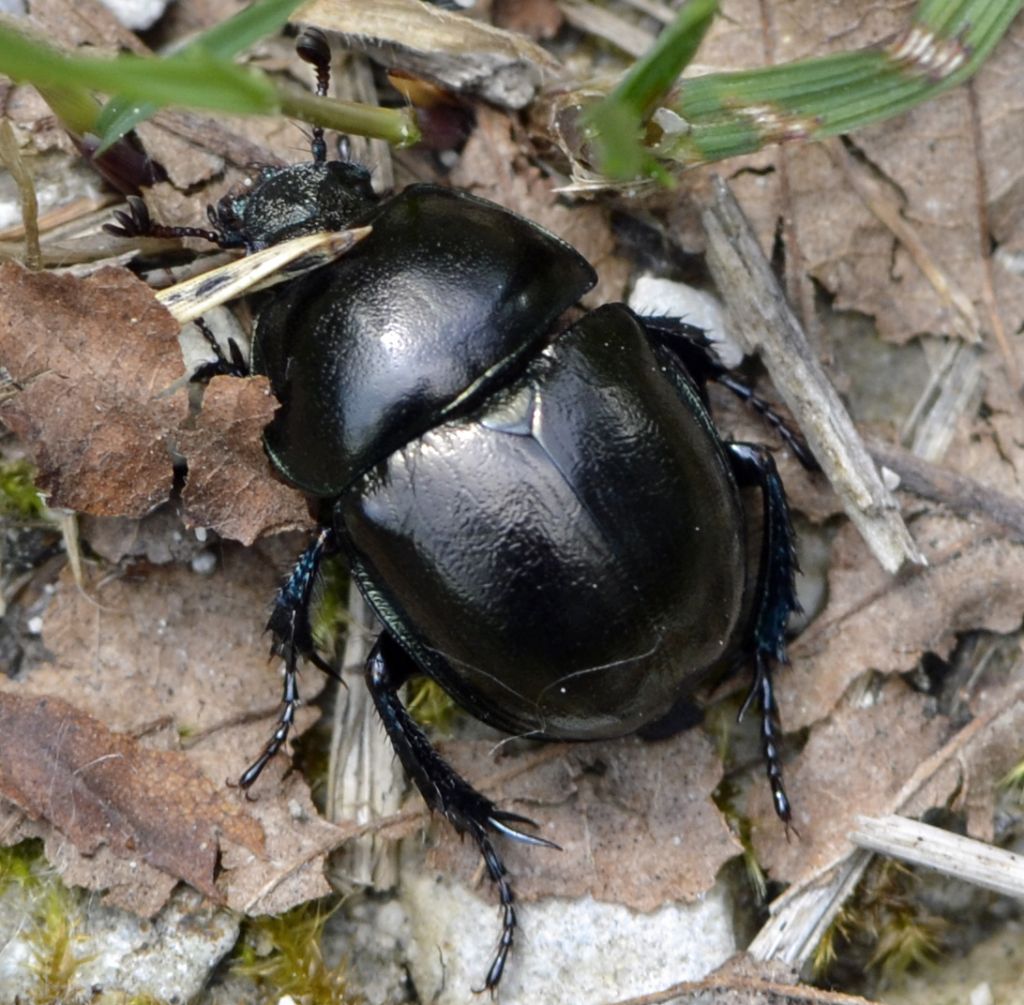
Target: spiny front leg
[(443, 789), (292, 638)]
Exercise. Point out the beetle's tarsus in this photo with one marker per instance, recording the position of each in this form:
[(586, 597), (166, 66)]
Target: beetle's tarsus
[(443, 789), (292, 638), (230, 364), (290, 703), (138, 223), (771, 734), (311, 45), (796, 443), (776, 600)]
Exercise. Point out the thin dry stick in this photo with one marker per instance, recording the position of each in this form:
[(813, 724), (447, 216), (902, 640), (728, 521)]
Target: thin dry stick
[(801, 915), (57, 216), (952, 392), (10, 156), (365, 780), (958, 493), (764, 321), (951, 854), (988, 294), (594, 20), (197, 295)]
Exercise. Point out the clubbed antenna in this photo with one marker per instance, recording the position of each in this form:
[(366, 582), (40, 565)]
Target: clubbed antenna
[(311, 45)]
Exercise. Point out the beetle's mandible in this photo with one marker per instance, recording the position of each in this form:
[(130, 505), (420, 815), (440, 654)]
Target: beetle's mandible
[(541, 514)]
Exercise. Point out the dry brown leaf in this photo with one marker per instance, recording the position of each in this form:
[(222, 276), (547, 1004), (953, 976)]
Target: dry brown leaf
[(635, 821), (127, 883), (974, 580), (92, 357), (166, 642), (927, 158), (229, 488), (853, 764), (102, 788), (167, 647)]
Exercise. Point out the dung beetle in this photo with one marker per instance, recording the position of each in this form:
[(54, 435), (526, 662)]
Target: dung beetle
[(536, 504)]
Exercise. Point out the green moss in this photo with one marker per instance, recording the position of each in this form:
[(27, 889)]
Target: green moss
[(53, 938), (18, 494), (49, 914), (21, 864), (330, 612), (884, 922), (284, 956), (726, 797), (431, 705), (1014, 780)]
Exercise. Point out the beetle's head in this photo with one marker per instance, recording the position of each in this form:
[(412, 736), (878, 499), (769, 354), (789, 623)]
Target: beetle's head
[(282, 203)]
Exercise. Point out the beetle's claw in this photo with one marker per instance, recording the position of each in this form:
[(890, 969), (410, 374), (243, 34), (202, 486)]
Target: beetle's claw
[(498, 820), (136, 222)]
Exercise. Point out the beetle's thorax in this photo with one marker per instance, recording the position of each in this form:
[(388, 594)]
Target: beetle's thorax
[(288, 202)]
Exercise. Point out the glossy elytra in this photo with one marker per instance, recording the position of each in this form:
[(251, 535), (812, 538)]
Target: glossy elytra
[(534, 502)]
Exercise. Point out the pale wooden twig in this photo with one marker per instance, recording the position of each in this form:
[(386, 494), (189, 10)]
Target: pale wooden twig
[(951, 854), (764, 322), (192, 298), (800, 916), (588, 17), (365, 781)]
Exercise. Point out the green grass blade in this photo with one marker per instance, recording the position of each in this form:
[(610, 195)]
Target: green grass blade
[(725, 114), (123, 112), (198, 80), (616, 122), (730, 113), (195, 77)]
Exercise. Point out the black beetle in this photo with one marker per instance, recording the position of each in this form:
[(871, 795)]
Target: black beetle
[(540, 511)]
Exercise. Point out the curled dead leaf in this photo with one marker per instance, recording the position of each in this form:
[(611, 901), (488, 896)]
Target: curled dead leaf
[(229, 488), (91, 357), (102, 788)]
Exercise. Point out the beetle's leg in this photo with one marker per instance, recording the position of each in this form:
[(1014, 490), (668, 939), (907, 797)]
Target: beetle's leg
[(697, 353), (138, 223), (442, 788), (311, 45), (796, 443), (293, 637), (775, 601), (231, 364)]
